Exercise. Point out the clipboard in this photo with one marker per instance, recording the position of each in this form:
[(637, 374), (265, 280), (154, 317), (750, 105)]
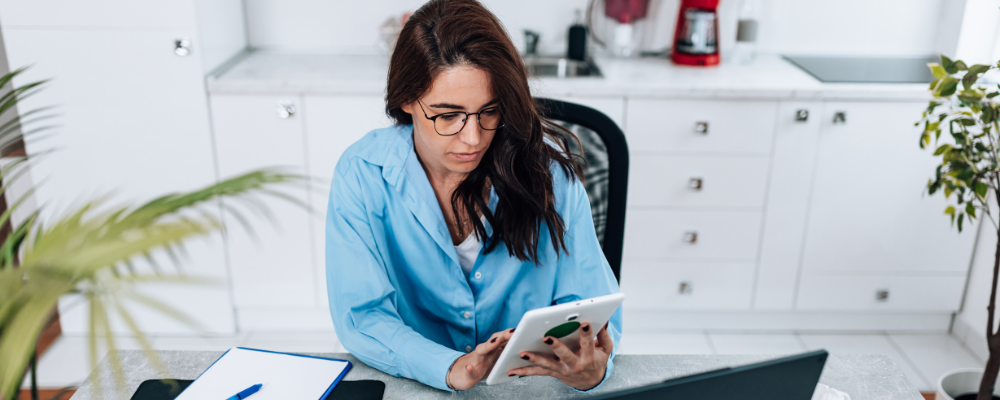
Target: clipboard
[(283, 375)]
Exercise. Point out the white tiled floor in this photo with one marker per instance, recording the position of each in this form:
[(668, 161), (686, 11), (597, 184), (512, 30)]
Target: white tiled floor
[(923, 357)]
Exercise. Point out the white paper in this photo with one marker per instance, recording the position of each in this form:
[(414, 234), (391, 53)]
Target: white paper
[(283, 376)]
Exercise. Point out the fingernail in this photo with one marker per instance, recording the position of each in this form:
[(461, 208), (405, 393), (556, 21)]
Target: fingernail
[(494, 340), (548, 341), (524, 357), (557, 358), (510, 374), (586, 328), (512, 330)]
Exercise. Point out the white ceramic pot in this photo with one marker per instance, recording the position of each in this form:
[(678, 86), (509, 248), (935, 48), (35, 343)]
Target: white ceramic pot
[(959, 382)]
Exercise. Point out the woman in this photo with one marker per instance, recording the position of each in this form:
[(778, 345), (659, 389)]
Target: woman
[(444, 229)]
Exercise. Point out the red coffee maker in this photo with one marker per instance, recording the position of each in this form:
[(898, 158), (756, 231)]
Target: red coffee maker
[(696, 39)]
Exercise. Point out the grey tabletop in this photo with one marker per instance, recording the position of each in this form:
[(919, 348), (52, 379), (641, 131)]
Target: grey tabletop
[(864, 377)]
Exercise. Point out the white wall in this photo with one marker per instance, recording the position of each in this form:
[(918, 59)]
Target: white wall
[(787, 26), (970, 323)]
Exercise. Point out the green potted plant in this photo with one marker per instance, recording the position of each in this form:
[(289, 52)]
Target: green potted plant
[(88, 251), (967, 176)]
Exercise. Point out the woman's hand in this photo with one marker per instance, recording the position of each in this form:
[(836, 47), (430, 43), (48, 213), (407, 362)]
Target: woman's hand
[(470, 368), (582, 370)]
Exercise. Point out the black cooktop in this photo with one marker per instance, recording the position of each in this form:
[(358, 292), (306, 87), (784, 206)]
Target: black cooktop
[(831, 69)]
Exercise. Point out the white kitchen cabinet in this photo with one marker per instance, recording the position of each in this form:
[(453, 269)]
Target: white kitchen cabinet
[(691, 235), (271, 265), (687, 285), (700, 126), (868, 210), (697, 181), (137, 129), (113, 14), (881, 293), (332, 124), (790, 179)]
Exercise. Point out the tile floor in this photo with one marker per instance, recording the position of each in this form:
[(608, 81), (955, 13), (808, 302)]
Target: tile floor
[(923, 357)]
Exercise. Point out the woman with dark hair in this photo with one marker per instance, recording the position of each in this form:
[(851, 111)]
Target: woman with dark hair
[(444, 229)]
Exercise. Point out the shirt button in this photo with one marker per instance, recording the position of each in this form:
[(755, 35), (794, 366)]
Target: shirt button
[(467, 314), (479, 275), (468, 349)]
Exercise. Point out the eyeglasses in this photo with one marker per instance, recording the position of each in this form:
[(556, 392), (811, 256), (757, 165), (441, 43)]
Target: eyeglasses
[(451, 123)]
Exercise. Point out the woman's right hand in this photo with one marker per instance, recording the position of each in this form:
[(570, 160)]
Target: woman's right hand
[(471, 368)]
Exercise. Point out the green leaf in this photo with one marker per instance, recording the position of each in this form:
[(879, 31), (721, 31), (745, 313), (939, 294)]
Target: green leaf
[(942, 149), (960, 65), (991, 95), (947, 87), (948, 64), (981, 189), (971, 210), (978, 69), (947, 193), (937, 70), (960, 218)]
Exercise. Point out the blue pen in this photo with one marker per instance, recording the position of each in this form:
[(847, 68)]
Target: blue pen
[(246, 392)]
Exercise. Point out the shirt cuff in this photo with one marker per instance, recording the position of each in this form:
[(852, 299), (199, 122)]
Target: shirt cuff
[(429, 362), (607, 373)]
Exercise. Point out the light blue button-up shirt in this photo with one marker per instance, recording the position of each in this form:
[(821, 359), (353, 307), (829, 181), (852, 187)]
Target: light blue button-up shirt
[(401, 303)]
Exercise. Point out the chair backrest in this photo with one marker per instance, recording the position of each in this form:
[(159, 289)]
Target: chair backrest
[(606, 173)]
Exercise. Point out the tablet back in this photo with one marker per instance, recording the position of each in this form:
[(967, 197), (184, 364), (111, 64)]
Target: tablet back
[(561, 321), (790, 378)]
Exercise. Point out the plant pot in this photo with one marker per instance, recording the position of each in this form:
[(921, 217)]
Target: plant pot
[(959, 382)]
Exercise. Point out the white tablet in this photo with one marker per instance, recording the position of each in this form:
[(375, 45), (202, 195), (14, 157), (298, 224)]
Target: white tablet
[(561, 321)]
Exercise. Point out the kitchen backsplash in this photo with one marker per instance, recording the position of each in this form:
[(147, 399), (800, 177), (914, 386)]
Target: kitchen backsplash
[(786, 26)]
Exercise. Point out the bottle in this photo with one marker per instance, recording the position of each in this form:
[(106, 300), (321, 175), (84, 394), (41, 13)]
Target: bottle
[(748, 14), (577, 43)]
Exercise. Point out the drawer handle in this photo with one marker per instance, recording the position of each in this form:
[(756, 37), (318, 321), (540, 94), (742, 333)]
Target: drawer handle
[(701, 127), (691, 237), (286, 109), (882, 295), (840, 117), (801, 115), (695, 183), (182, 47), (685, 288)]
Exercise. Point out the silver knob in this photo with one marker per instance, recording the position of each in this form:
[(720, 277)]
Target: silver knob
[(685, 288), (695, 183), (286, 109), (182, 47), (840, 117), (882, 295), (801, 115), (691, 237), (701, 127)]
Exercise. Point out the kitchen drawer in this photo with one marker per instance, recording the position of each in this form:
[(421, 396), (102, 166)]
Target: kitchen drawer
[(718, 235), (673, 126), (687, 286), (862, 293), (697, 181)]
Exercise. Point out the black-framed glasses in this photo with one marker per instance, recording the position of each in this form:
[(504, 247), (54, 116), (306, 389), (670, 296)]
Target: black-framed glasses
[(451, 123)]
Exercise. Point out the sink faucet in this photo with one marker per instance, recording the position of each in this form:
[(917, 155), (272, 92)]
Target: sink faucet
[(531, 42)]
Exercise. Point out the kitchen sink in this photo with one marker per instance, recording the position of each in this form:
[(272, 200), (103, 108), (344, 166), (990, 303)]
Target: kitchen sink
[(556, 67)]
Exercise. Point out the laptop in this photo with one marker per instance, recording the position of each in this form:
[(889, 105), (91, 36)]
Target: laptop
[(790, 378)]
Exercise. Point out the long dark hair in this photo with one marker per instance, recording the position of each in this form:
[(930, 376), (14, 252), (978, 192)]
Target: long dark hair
[(447, 33)]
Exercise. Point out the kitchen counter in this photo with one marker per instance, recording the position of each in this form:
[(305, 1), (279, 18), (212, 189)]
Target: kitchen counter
[(768, 77), (864, 377)]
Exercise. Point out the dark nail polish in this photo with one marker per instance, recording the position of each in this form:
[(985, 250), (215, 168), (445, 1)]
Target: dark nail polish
[(556, 357), (512, 330), (586, 328), (524, 357), (510, 374), (494, 340), (548, 341)]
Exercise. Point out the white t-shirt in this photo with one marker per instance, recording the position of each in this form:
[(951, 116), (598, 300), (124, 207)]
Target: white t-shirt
[(468, 251)]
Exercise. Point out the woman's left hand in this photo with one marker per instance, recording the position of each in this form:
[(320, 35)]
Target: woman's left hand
[(583, 369)]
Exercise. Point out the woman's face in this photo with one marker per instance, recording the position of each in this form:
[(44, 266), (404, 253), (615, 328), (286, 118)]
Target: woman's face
[(461, 88)]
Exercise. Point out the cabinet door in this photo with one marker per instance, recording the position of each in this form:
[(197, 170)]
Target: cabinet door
[(868, 210), (332, 124), (136, 128), (700, 126), (273, 265), (103, 14)]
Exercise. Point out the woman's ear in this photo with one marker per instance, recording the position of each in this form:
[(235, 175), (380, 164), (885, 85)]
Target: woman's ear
[(408, 108)]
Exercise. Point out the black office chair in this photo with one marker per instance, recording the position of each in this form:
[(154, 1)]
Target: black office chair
[(606, 172)]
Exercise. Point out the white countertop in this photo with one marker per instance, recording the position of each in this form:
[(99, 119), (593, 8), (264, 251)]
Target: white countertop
[(768, 77)]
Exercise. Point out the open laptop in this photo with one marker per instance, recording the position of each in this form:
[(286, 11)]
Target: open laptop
[(790, 378)]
